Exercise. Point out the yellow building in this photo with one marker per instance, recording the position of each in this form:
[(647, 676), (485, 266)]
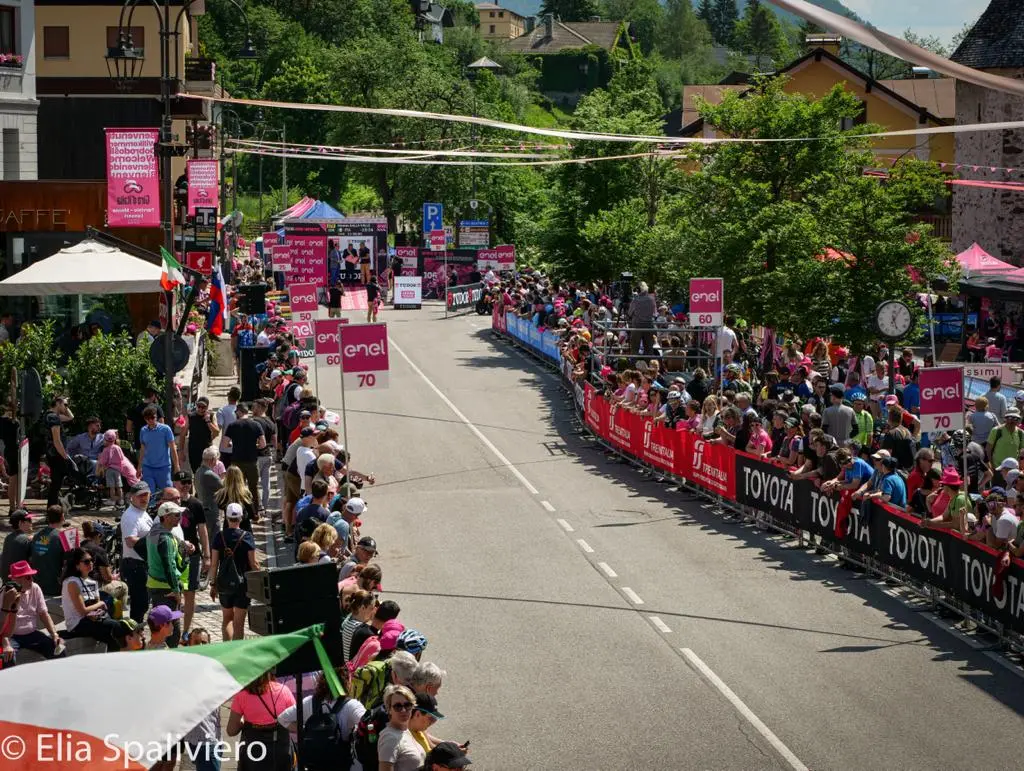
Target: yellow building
[(78, 98), (497, 23), (896, 105)]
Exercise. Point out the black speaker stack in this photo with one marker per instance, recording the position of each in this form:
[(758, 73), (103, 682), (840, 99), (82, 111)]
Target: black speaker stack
[(252, 299), (292, 598), (249, 379)]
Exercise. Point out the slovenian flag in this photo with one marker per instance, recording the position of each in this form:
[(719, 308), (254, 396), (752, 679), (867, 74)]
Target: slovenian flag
[(170, 274), (218, 304), (121, 726)]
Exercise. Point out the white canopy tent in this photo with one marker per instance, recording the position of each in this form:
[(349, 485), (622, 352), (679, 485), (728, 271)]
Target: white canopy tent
[(89, 267)]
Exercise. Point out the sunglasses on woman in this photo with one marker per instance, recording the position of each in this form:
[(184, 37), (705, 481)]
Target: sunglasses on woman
[(403, 707)]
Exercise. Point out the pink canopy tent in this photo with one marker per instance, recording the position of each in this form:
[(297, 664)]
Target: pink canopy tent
[(297, 210), (975, 261)]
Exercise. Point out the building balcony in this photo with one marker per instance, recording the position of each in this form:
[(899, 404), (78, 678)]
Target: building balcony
[(200, 75), (942, 224)]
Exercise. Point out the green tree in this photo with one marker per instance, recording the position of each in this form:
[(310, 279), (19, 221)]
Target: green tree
[(724, 17), (646, 16), (705, 11), (764, 215), (107, 377), (569, 10), (684, 32), (36, 348), (760, 34)]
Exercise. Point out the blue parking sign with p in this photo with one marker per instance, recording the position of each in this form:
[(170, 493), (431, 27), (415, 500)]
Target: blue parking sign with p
[(433, 217)]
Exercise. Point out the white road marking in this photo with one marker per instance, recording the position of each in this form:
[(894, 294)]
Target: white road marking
[(458, 413), (705, 671), (633, 596), (565, 525), (607, 570), (585, 546), (547, 506), (660, 625)]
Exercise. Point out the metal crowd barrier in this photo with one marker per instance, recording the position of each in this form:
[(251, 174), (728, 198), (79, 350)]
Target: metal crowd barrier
[(933, 597)]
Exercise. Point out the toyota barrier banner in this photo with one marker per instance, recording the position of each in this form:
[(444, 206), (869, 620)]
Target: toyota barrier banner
[(133, 182), (364, 356), (595, 411), (203, 184), (408, 292), (466, 296)]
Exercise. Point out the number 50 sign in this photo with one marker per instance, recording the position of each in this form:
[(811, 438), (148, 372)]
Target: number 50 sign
[(942, 398), (364, 355)]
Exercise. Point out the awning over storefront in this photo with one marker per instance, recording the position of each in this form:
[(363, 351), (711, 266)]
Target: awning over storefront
[(89, 267)]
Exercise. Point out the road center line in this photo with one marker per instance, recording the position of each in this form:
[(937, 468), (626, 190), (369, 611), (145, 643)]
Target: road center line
[(565, 525), (607, 570), (458, 413), (547, 506), (660, 625), (633, 596), (585, 546), (705, 671)]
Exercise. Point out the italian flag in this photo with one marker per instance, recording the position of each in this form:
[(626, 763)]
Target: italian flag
[(170, 274), (121, 710)]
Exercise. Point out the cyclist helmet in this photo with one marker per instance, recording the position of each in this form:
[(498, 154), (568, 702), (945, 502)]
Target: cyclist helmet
[(412, 641)]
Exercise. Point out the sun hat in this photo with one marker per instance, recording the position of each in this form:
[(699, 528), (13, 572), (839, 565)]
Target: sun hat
[(21, 569), (951, 477), (389, 634)]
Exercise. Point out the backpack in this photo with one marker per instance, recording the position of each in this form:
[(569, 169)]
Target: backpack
[(368, 683), (364, 737), (290, 416), (229, 579), (323, 748)]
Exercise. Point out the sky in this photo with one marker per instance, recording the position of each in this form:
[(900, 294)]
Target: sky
[(942, 18)]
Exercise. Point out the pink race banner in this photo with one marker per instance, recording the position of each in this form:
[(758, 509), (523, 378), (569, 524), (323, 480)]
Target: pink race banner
[(302, 299), (707, 302), (308, 256), (203, 181), (133, 180), (498, 259), (409, 255)]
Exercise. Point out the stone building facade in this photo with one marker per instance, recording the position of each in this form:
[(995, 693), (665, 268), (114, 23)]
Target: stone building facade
[(994, 218)]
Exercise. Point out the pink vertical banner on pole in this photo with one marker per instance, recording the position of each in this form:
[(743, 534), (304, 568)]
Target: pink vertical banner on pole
[(203, 181), (942, 398), (133, 178)]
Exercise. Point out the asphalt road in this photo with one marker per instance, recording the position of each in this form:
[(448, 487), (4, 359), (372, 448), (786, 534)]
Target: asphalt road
[(589, 618)]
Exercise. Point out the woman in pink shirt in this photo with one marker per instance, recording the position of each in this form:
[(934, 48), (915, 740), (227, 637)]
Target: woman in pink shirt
[(254, 712), (113, 464), (760, 443)]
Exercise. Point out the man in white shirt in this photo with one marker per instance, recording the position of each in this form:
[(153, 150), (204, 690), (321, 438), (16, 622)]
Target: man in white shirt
[(878, 388), (135, 525), (225, 417), (726, 339)]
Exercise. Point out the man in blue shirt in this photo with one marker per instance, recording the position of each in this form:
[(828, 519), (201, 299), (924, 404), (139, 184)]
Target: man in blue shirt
[(158, 456), (893, 489), (912, 395)]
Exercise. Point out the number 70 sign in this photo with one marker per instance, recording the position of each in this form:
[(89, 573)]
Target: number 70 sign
[(364, 356), (942, 398)]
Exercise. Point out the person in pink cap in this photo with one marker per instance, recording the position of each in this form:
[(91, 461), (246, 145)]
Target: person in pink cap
[(113, 465), (379, 647), (955, 515), (32, 616)]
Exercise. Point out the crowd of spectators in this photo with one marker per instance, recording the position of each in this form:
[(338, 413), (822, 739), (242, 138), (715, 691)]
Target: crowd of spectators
[(846, 422)]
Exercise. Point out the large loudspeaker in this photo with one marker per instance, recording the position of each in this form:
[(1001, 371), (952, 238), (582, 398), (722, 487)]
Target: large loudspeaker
[(293, 598), (248, 358), (252, 299)]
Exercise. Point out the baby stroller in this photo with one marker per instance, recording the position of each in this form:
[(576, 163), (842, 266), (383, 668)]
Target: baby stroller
[(84, 491)]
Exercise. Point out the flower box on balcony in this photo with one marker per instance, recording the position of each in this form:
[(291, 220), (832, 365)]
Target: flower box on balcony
[(12, 61)]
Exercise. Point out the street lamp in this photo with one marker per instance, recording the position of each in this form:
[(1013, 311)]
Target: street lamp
[(124, 65), (481, 64)]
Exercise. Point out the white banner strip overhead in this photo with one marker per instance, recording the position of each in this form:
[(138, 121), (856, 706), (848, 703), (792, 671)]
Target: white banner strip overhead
[(894, 46)]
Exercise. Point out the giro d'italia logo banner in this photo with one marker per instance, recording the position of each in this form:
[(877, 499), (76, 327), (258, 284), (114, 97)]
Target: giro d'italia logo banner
[(133, 182)]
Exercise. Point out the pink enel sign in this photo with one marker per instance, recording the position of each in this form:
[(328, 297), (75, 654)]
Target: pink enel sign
[(364, 355), (707, 302), (302, 298), (942, 398), (327, 340)]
